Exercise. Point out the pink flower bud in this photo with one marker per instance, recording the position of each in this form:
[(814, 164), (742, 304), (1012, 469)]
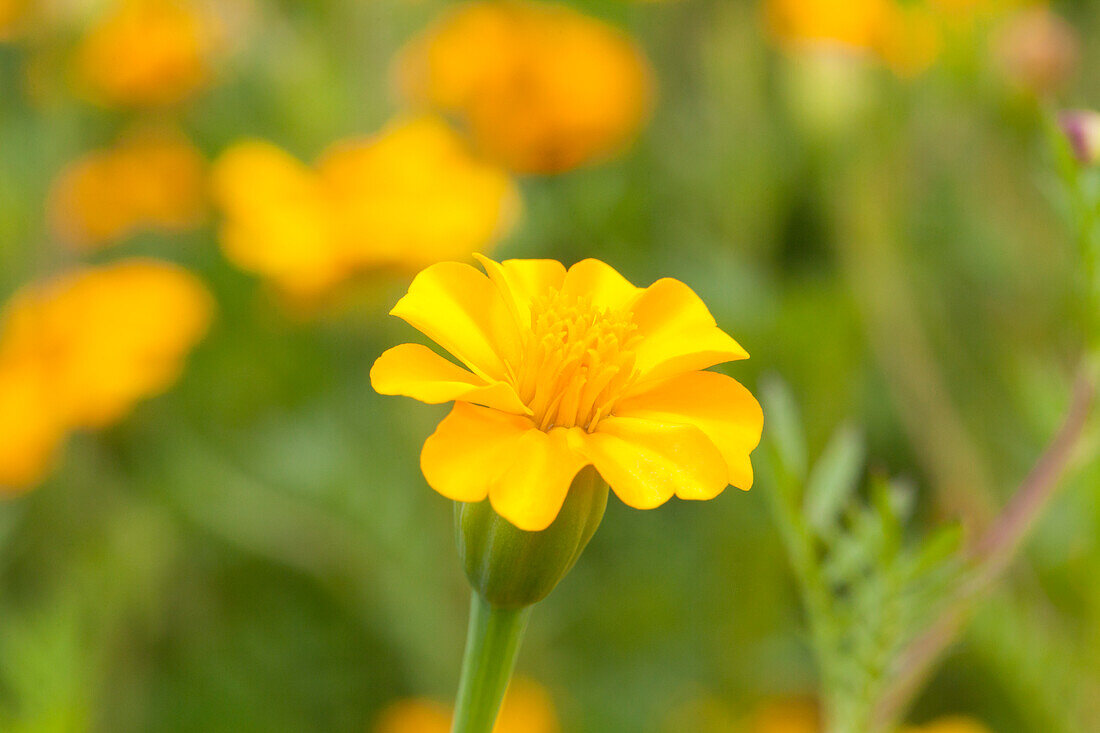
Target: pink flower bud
[(1082, 127)]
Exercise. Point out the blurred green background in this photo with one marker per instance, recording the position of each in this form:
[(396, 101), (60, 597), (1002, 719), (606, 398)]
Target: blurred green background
[(256, 550)]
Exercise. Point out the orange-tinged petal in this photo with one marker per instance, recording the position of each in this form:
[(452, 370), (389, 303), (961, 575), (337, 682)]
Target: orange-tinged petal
[(468, 450), (647, 462), (601, 283), (461, 310), (31, 431), (416, 371), (678, 333), (718, 405), (531, 490)]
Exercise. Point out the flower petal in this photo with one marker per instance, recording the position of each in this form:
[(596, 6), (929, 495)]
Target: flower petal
[(416, 371), (600, 282), (718, 405), (461, 310), (678, 333), (646, 462), (468, 450), (520, 281), (532, 488)]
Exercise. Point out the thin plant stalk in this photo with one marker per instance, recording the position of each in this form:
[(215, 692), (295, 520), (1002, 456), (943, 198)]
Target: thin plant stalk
[(492, 643)]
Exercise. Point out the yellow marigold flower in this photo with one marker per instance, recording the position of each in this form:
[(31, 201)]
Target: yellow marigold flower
[(854, 23), (30, 427), (103, 338), (152, 179), (147, 53), (907, 37), (788, 716), (541, 87), (527, 708), (11, 14), (565, 369), (365, 205)]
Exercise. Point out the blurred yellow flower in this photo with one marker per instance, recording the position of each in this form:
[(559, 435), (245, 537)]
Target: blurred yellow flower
[(565, 369), (79, 350), (152, 179), (147, 53), (11, 13), (30, 427), (527, 708), (540, 87), (407, 197), (854, 23), (905, 36), (789, 716)]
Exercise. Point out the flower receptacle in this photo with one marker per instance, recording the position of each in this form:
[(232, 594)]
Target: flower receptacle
[(513, 568)]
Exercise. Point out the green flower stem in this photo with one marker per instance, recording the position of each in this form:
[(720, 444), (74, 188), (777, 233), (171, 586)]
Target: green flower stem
[(492, 643)]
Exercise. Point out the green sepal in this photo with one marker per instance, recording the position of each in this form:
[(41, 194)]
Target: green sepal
[(512, 568)]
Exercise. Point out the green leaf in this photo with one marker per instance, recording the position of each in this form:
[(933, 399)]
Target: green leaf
[(783, 425), (834, 479)]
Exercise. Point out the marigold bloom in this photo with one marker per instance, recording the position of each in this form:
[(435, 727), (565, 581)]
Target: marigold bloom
[(30, 427), (541, 87), (527, 708), (365, 205), (11, 13), (906, 37), (789, 716), (147, 53), (152, 179), (79, 350), (569, 368), (105, 337)]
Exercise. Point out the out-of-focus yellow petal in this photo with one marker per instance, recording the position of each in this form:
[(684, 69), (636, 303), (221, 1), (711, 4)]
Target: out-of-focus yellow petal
[(413, 195), (787, 716), (678, 333), (414, 716), (647, 462), (469, 449), (461, 310), (30, 428), (527, 708), (536, 478), (718, 405), (601, 283), (278, 222), (106, 337), (416, 371), (146, 52), (152, 178), (541, 87)]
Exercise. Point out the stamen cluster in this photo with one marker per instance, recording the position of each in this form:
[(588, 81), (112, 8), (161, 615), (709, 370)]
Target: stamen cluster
[(577, 360)]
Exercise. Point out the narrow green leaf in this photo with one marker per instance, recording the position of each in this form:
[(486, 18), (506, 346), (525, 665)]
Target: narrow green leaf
[(783, 425), (834, 479)]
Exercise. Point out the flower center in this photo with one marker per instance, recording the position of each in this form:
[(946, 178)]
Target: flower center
[(577, 360)]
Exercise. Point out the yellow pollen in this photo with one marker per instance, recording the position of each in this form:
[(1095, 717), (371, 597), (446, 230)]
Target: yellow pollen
[(577, 360)]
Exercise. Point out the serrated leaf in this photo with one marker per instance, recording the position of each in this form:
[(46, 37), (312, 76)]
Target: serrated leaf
[(834, 479), (783, 424)]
